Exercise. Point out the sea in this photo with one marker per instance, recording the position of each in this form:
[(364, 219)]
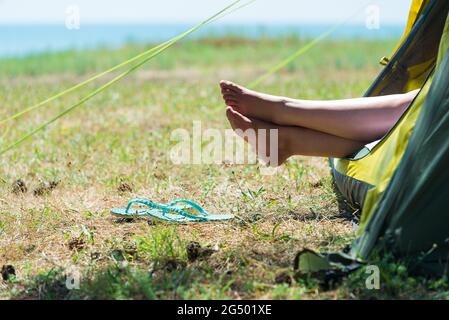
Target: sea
[(23, 40)]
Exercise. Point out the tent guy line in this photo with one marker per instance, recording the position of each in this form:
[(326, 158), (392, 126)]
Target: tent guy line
[(223, 13), (152, 54), (155, 51)]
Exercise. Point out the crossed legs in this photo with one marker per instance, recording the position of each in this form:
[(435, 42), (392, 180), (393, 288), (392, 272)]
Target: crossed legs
[(314, 128)]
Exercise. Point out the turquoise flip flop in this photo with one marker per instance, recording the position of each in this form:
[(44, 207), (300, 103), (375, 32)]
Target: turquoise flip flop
[(175, 211)]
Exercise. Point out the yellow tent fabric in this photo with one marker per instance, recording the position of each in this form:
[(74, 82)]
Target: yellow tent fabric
[(395, 146), (416, 9), (402, 212), (367, 169), (377, 167), (417, 73)]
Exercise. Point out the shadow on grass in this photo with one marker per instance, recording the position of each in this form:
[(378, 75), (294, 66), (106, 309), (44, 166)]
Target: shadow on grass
[(172, 282), (191, 282), (346, 210)]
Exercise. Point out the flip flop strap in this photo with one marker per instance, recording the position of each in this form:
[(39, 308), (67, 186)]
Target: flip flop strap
[(152, 205), (169, 208), (194, 205)]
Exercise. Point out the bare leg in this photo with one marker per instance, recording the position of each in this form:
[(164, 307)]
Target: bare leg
[(362, 119), (296, 140)]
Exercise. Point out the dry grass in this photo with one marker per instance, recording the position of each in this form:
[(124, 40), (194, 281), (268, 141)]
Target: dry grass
[(116, 148)]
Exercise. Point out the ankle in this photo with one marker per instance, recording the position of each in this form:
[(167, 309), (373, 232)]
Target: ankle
[(278, 112)]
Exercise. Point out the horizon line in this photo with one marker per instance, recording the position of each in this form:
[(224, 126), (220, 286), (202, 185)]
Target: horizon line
[(236, 23)]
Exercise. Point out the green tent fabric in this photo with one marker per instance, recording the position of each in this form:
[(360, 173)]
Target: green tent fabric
[(411, 219), (410, 68)]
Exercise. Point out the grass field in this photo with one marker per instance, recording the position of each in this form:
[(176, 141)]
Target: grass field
[(116, 147)]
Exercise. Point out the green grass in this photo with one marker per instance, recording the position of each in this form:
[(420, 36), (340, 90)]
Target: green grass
[(123, 137)]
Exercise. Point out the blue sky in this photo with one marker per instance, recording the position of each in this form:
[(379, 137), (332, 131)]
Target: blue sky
[(176, 11)]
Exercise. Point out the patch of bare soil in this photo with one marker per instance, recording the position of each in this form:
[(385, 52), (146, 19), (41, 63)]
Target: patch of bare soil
[(8, 271), (19, 187), (45, 188)]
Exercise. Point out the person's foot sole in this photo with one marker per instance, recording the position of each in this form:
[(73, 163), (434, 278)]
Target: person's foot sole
[(243, 125), (251, 103)]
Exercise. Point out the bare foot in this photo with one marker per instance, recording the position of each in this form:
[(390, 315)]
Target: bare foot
[(251, 103), (245, 126), (291, 140)]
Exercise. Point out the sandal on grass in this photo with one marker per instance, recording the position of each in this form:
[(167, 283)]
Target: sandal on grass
[(175, 211)]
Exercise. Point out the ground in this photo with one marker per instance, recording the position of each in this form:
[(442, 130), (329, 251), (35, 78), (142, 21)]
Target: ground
[(55, 221)]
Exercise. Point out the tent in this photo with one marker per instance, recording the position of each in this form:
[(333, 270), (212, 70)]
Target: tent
[(401, 182)]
